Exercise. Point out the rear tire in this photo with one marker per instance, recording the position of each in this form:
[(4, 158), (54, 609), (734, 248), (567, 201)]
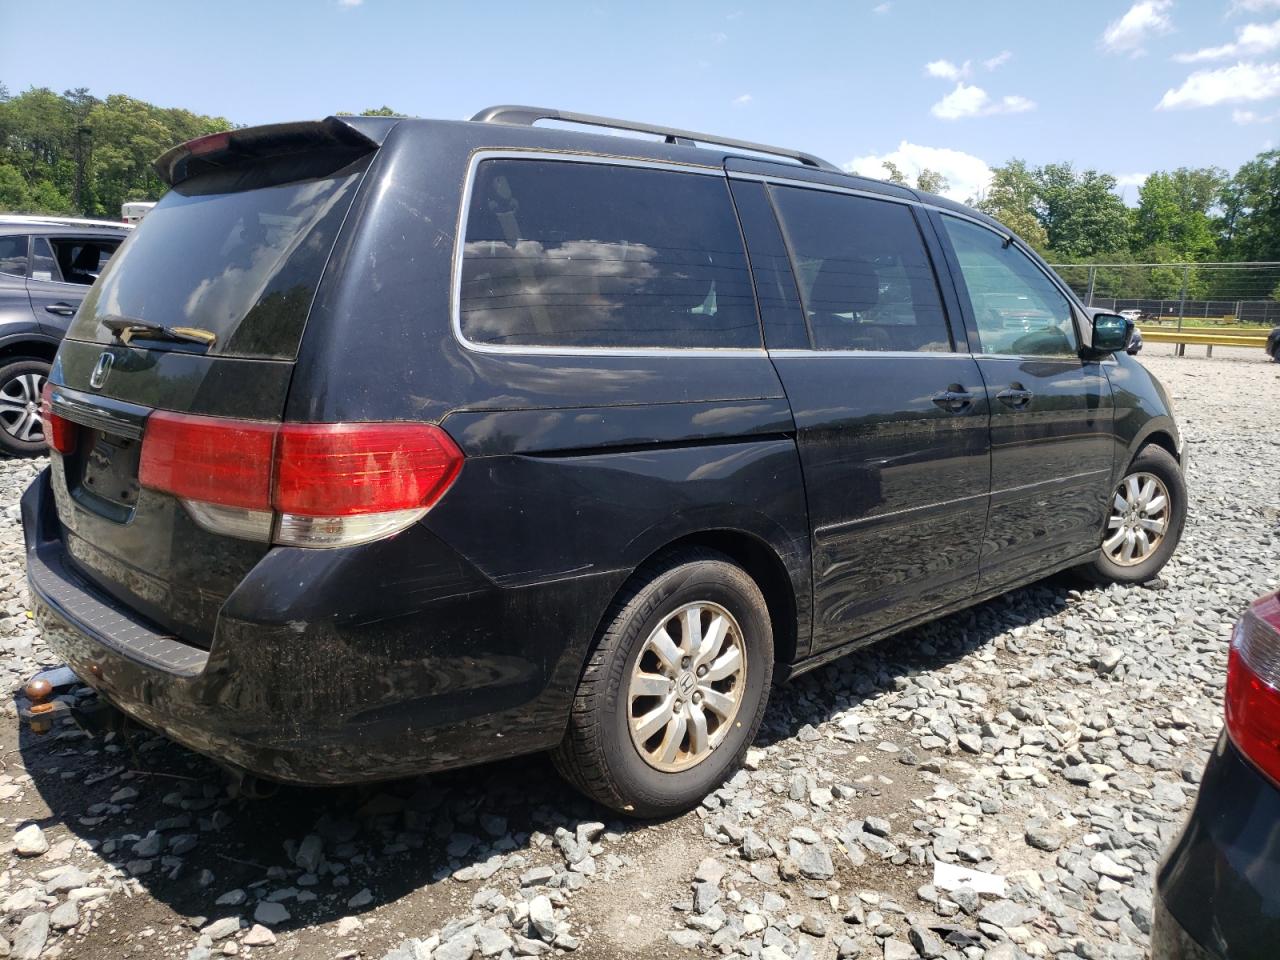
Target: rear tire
[(1153, 474), (718, 695), (21, 431)]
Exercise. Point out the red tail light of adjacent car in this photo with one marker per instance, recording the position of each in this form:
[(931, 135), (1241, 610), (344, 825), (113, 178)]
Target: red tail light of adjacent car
[(1253, 686)]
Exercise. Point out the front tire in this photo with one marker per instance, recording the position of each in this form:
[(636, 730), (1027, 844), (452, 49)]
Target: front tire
[(675, 690), (1144, 520), (21, 429)]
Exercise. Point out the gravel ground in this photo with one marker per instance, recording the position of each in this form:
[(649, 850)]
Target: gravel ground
[(995, 785)]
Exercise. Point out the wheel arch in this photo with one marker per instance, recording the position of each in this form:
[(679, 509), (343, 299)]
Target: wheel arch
[(763, 562), (35, 348)]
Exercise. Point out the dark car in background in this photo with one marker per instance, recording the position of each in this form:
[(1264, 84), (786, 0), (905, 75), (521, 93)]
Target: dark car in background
[(46, 268), (387, 446), (1273, 344), (1218, 886)]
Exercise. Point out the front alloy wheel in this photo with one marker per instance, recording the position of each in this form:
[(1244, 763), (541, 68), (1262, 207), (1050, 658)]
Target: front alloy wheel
[(1139, 519)]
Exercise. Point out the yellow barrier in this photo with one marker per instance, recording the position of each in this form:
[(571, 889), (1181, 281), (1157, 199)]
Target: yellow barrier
[(1199, 336)]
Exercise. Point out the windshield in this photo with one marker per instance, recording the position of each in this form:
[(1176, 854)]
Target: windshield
[(236, 253)]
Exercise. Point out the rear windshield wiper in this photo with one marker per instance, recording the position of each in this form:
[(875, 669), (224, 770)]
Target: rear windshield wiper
[(126, 328)]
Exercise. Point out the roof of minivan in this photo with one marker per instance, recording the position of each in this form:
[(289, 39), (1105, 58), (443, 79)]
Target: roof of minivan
[(353, 131)]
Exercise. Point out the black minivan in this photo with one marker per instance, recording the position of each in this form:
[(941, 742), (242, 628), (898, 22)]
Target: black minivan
[(385, 446)]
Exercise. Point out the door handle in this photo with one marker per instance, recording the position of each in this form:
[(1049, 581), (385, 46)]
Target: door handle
[(954, 399), (1015, 396), (61, 309)]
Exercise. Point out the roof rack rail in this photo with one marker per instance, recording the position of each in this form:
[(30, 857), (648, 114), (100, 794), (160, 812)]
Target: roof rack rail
[(528, 116)]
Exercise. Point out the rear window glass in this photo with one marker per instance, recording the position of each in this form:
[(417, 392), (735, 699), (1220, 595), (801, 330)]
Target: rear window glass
[(565, 254), (237, 253), (13, 256)]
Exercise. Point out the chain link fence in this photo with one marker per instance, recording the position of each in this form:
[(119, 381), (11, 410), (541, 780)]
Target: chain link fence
[(1182, 294)]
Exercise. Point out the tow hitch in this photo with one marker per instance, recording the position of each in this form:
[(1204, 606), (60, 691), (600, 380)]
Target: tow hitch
[(50, 696)]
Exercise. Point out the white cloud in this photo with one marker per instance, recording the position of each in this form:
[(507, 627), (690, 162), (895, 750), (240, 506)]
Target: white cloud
[(1254, 6), (946, 70), (999, 60), (968, 176), (1131, 179), (1130, 32), (967, 100), (1247, 117), (882, 8), (1242, 83), (719, 38), (742, 100), (1252, 38), (350, 3)]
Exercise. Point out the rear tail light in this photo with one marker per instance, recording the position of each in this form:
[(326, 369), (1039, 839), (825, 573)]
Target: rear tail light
[(326, 484), (1253, 686), (59, 433)]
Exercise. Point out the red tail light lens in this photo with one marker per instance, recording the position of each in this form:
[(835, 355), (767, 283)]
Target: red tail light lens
[(342, 469), (328, 484), (1253, 686), (227, 462), (59, 433)]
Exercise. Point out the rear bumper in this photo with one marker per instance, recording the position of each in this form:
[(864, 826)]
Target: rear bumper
[(1218, 887), (333, 666)]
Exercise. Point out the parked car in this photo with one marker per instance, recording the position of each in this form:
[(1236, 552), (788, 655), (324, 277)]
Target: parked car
[(387, 446), (1273, 344), (1218, 886), (133, 211), (46, 267), (1131, 314), (1134, 346)]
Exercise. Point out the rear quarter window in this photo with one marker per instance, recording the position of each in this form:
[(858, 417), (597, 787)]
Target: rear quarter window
[(594, 255), (13, 256)]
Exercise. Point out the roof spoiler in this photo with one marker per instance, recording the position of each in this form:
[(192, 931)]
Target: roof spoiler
[(358, 134)]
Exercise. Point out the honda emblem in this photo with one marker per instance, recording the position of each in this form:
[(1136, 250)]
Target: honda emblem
[(100, 371)]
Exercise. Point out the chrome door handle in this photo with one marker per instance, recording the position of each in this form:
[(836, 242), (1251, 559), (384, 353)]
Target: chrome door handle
[(1015, 397), (61, 309), (955, 399)]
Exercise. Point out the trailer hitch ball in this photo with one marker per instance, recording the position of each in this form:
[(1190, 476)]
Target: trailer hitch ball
[(41, 712)]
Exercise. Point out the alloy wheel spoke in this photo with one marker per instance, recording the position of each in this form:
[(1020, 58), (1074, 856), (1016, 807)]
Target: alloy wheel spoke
[(1126, 553), (1133, 489), (653, 721), (1148, 488), (698, 739), (673, 739), (666, 649), (1156, 505), (1120, 504), (1154, 526), (724, 666), (712, 641), (1112, 543), (650, 685), (691, 636), (1143, 542), (718, 703), (10, 405)]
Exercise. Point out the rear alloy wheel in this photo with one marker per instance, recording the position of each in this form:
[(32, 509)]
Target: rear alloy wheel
[(675, 690), (21, 429), (1144, 520)]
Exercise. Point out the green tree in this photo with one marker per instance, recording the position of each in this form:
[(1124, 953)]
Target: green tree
[(893, 173), (1251, 210), (1011, 199), (931, 181), (1080, 212), (14, 195), (1174, 210)]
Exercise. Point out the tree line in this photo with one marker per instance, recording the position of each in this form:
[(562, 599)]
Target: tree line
[(73, 153)]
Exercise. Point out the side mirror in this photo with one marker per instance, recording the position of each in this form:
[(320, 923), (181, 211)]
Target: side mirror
[(1135, 343), (1111, 332)]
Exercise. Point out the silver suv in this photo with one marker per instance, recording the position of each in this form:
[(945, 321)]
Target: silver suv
[(46, 267)]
